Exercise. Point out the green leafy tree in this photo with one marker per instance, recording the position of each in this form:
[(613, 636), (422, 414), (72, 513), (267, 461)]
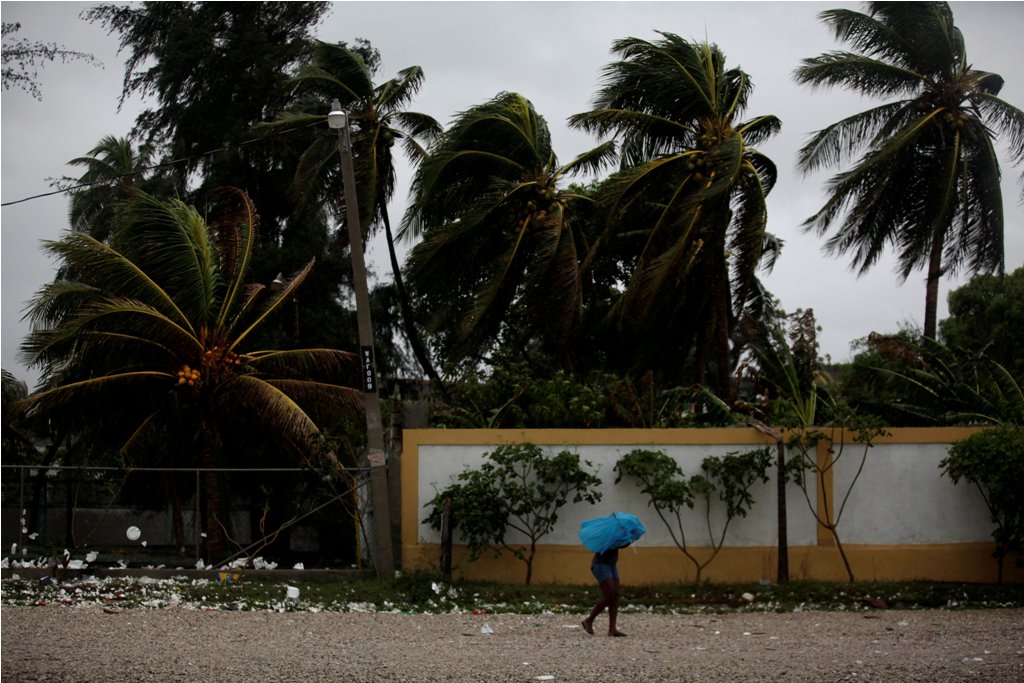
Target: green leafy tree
[(987, 314), (144, 345), (518, 488), (872, 382), (215, 70), (689, 203), (927, 184), (519, 395), (499, 241), (22, 59), (951, 385), (993, 460), (671, 493)]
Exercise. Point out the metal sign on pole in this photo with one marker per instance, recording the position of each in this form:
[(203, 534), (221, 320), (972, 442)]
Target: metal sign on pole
[(384, 560)]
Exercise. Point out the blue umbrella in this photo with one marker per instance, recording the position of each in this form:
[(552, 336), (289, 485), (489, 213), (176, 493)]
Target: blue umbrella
[(617, 530)]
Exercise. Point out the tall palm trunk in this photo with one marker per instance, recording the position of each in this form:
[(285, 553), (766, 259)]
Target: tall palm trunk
[(411, 333), (723, 357), (719, 218), (931, 298), (215, 540), (177, 511)]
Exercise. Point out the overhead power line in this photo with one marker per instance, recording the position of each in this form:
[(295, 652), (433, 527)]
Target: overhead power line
[(165, 164)]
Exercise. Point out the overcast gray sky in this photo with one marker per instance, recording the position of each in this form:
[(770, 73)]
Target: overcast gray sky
[(551, 52)]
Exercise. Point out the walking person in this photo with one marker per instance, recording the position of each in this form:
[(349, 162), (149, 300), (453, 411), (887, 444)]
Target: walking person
[(604, 537), (605, 569)]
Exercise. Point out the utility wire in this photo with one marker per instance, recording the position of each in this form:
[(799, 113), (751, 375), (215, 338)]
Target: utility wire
[(165, 164)]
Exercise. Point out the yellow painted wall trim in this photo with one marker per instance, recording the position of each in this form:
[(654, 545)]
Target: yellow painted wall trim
[(968, 562)]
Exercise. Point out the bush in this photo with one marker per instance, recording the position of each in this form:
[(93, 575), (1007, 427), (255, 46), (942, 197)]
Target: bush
[(993, 460), (518, 487)]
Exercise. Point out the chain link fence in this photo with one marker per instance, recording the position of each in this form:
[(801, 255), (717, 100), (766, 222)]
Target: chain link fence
[(161, 516)]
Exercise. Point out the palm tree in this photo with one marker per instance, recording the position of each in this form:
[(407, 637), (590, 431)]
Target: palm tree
[(379, 119), (927, 184), (114, 169), (690, 198), (498, 235), (145, 341)]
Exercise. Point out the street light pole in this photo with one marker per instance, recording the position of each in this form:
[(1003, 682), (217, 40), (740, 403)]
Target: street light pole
[(337, 119)]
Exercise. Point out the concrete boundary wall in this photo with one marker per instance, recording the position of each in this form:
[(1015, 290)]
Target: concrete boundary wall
[(902, 520)]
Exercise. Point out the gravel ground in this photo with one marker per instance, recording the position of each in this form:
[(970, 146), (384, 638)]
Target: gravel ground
[(60, 643)]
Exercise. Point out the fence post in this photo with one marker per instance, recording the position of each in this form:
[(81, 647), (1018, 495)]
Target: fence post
[(446, 541)]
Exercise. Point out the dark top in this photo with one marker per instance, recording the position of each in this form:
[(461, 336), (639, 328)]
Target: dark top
[(610, 556)]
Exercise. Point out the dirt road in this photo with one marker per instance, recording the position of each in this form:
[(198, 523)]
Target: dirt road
[(62, 643)]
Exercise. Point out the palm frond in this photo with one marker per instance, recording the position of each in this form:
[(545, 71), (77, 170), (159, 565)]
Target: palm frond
[(277, 298), (96, 266), (328, 364)]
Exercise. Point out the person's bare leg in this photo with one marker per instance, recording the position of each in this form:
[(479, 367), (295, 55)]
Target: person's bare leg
[(613, 607), (609, 590)]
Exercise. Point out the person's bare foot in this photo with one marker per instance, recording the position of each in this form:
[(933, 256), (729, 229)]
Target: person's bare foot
[(616, 634), (587, 626)]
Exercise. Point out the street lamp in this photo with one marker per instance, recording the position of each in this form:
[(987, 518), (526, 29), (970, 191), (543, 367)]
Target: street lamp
[(338, 120)]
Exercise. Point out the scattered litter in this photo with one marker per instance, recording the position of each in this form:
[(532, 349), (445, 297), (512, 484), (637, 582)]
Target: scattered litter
[(133, 533), (75, 564), (91, 556), (749, 597), (546, 677), (260, 563), (486, 630), (299, 565), (973, 659), (292, 593)]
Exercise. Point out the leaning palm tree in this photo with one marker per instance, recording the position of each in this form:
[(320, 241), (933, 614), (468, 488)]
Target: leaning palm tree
[(146, 340), (690, 199), (927, 184), (379, 119), (497, 227)]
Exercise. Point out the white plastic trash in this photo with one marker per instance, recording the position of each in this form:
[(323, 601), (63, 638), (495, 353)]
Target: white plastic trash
[(133, 533), (292, 593), (486, 629)]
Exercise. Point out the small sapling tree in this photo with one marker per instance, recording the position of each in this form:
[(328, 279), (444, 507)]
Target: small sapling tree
[(518, 488), (845, 431), (670, 492), (993, 460)]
